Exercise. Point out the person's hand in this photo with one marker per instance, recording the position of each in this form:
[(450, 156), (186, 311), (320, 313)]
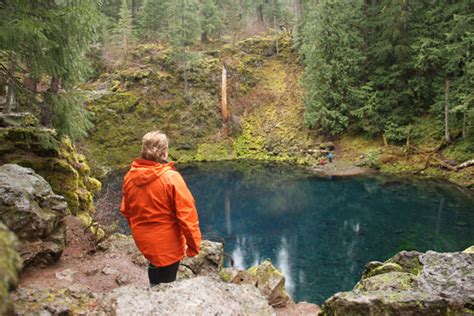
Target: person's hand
[(190, 253)]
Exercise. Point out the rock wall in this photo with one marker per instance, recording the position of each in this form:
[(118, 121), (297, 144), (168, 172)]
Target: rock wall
[(262, 87), (57, 161)]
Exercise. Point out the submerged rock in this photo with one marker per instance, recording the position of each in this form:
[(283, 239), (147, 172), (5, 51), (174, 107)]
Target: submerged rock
[(411, 283), (10, 266), (197, 296), (30, 208)]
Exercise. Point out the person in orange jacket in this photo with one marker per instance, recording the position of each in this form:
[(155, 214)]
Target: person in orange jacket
[(160, 210)]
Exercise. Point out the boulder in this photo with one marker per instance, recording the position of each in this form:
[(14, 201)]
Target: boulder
[(30, 209), (411, 283), (10, 266), (271, 283), (198, 296), (265, 277), (209, 261)]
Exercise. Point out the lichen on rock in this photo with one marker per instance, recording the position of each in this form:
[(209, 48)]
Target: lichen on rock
[(411, 283), (30, 208)]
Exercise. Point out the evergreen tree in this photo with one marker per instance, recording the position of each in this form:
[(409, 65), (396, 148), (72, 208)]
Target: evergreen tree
[(184, 29), (49, 39), (123, 31), (154, 19), (211, 20), (333, 64)]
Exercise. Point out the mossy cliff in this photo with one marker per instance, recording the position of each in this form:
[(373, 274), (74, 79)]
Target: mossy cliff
[(57, 161), (265, 98)]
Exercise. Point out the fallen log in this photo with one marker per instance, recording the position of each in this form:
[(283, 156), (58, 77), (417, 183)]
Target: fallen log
[(465, 164)]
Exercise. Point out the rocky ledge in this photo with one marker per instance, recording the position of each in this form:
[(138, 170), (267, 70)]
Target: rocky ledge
[(411, 283), (199, 289)]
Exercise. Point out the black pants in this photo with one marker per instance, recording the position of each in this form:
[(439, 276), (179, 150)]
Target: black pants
[(166, 274)]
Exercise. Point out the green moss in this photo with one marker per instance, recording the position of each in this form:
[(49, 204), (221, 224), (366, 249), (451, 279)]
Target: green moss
[(385, 281), (225, 276), (385, 268)]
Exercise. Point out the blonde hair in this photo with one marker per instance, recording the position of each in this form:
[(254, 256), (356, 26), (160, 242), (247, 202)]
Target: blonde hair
[(154, 146)]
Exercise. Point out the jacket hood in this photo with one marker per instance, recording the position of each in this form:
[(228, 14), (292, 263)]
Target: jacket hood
[(144, 171)]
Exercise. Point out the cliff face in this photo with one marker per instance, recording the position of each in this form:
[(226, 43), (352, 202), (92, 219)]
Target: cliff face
[(264, 97)]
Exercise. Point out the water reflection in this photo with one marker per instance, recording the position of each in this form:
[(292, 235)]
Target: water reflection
[(283, 264), (320, 233)]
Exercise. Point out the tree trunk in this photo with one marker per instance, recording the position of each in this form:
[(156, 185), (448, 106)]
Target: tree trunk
[(464, 125), (299, 11), (186, 83), (10, 89), (134, 8), (224, 108), (55, 85), (204, 38), (275, 26), (260, 14), (446, 111)]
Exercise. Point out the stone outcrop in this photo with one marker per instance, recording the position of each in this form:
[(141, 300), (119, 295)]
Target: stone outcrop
[(30, 209), (22, 142), (197, 296), (265, 277), (10, 265), (411, 283)]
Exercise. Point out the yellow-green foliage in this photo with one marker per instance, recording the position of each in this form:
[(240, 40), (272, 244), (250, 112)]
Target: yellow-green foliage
[(265, 100)]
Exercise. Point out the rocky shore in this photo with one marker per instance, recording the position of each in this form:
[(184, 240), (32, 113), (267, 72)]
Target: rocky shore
[(74, 274)]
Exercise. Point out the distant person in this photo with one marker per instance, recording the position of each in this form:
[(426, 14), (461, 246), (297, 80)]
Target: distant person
[(160, 210), (330, 156)]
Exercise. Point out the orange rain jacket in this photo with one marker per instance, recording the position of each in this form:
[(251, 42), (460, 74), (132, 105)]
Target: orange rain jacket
[(161, 212)]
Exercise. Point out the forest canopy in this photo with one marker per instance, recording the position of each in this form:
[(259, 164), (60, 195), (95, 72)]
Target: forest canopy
[(371, 66)]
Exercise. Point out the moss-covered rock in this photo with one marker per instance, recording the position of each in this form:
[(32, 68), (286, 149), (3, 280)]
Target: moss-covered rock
[(411, 283), (469, 250), (57, 161), (10, 266), (271, 283), (263, 88)]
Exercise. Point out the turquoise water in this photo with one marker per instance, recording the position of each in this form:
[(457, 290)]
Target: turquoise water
[(319, 231)]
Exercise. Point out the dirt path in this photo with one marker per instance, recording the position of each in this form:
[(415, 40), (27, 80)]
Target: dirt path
[(83, 267)]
